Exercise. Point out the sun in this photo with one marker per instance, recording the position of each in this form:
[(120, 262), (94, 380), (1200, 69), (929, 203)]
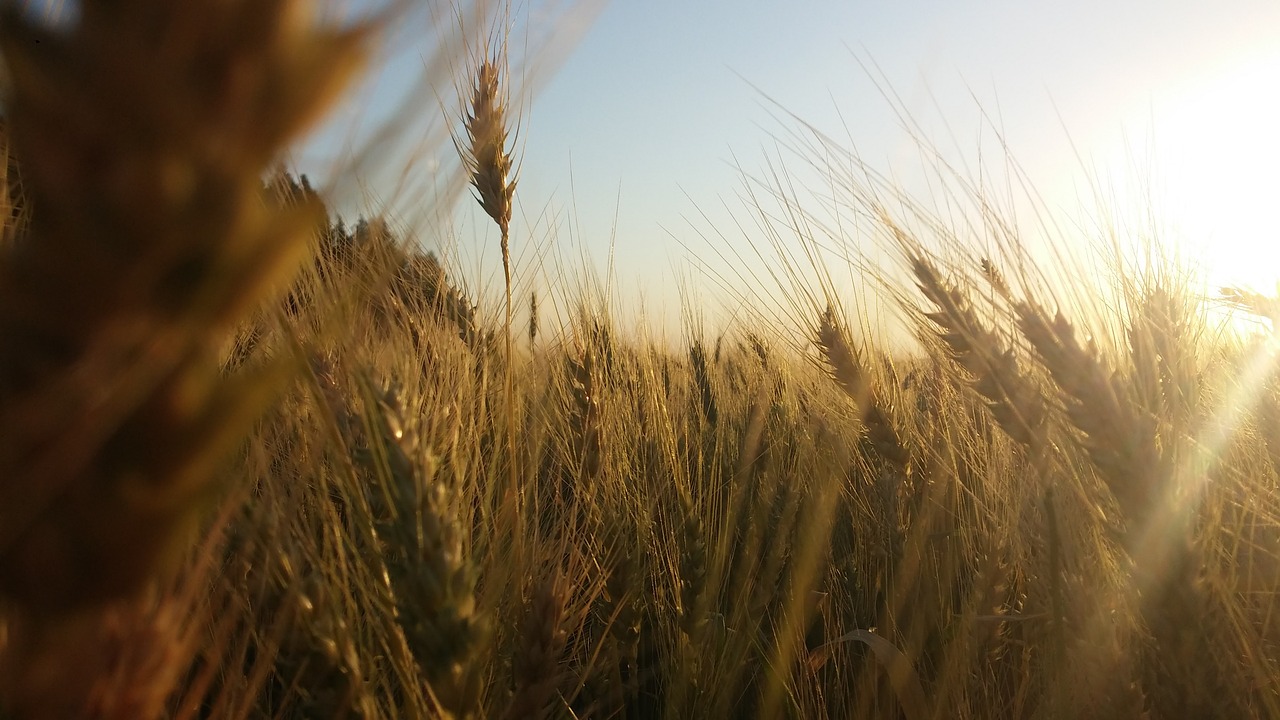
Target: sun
[(1217, 145)]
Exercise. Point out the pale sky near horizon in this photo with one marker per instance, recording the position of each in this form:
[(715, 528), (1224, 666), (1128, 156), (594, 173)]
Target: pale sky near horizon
[(635, 136), (640, 118)]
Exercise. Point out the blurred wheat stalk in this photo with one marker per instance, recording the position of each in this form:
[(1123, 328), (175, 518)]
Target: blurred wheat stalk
[(143, 128)]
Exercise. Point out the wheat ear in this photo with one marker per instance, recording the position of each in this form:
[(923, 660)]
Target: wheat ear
[(845, 368), (536, 665), (702, 381), (143, 130), (1013, 398), (490, 164), (1120, 441)]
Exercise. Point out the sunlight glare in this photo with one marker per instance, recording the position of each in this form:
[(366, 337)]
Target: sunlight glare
[(1218, 145)]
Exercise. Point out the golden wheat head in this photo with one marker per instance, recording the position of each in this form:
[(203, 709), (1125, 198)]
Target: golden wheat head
[(488, 161), (143, 129)]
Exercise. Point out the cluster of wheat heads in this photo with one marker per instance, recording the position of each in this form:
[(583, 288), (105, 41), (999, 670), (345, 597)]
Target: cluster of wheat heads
[(1137, 419), (1137, 441)]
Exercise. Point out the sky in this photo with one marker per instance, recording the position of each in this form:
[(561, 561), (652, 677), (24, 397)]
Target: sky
[(640, 119)]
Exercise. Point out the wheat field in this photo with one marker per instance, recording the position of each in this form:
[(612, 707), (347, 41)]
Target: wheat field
[(260, 461)]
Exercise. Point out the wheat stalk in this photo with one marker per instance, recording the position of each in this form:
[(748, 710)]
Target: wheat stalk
[(429, 568), (490, 165), (142, 132), (533, 318), (535, 666), (585, 414), (487, 158), (1119, 440), (702, 381), (1013, 398), (845, 368), (693, 567)]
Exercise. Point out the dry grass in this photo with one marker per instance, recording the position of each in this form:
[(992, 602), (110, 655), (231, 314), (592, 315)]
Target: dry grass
[(230, 489)]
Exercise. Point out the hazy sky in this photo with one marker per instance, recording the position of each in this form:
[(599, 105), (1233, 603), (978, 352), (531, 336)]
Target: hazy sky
[(654, 102)]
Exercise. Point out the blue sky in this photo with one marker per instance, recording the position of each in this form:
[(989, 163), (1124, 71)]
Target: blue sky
[(631, 132)]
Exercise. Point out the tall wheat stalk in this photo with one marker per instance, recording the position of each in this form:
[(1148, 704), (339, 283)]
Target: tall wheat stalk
[(490, 164)]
